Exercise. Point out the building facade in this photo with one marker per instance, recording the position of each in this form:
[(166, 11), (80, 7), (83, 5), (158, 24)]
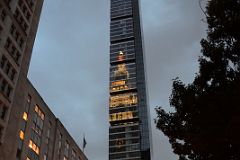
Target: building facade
[(129, 132), (28, 128)]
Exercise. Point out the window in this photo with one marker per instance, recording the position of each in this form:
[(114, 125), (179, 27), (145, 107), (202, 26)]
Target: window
[(21, 41), (3, 61), (3, 15), (8, 2), (21, 21), (29, 99), (19, 149), (36, 133), (39, 112), (7, 68), (9, 91), (8, 43), (38, 120), (121, 8), (34, 147), (121, 29), (17, 36), (35, 138), (5, 88), (12, 29), (73, 155), (60, 141), (24, 9), (66, 149), (48, 132), (1, 132), (120, 100), (27, 106), (31, 3), (127, 48), (44, 157), (25, 116), (9, 46), (12, 75), (3, 85), (21, 135), (23, 125), (121, 116), (3, 111)]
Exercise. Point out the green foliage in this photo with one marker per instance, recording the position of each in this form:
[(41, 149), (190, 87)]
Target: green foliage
[(206, 121)]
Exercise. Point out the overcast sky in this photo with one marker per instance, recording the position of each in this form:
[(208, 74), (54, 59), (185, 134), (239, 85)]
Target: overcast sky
[(70, 63)]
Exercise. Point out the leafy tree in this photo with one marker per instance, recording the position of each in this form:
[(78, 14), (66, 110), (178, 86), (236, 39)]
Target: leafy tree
[(206, 122)]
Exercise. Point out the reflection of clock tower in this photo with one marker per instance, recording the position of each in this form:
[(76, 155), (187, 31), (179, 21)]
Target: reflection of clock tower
[(128, 110)]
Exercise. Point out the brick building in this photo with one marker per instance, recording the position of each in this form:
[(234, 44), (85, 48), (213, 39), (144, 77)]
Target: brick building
[(28, 128)]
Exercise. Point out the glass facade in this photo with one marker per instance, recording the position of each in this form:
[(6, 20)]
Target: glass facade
[(128, 110)]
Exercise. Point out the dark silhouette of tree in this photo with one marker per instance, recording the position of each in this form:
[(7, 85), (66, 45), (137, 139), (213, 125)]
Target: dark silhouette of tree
[(206, 122)]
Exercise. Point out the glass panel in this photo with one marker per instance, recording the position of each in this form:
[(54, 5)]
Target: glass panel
[(121, 29), (121, 8), (122, 51)]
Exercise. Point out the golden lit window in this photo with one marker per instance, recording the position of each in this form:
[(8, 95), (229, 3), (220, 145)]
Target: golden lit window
[(118, 83), (30, 145), (37, 150), (25, 116), (123, 100), (21, 135), (42, 116), (39, 112), (36, 109), (121, 116), (34, 147), (121, 70)]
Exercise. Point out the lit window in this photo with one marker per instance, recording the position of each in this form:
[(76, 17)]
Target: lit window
[(34, 147), (30, 145), (118, 83), (21, 135), (121, 70), (123, 100), (37, 150), (25, 116), (121, 116), (39, 112), (42, 116), (36, 108)]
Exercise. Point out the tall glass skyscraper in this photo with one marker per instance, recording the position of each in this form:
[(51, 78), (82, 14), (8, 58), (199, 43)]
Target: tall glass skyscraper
[(128, 110)]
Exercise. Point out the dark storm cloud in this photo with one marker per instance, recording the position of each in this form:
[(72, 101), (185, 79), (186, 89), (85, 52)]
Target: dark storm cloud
[(70, 63)]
